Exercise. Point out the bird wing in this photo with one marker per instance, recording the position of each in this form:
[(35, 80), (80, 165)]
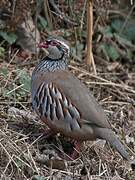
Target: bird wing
[(53, 95), (83, 99), (51, 104), (71, 95)]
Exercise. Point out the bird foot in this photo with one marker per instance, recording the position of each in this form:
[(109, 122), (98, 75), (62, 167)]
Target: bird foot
[(76, 151), (72, 154), (47, 133)]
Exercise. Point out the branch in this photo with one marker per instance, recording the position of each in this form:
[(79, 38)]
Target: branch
[(90, 59), (61, 14)]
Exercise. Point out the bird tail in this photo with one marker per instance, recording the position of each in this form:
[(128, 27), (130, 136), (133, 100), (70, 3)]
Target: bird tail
[(110, 136)]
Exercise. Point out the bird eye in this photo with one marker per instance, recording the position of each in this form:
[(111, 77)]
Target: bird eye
[(53, 43)]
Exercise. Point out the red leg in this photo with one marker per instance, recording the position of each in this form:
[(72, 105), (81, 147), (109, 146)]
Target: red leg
[(75, 153), (47, 133)]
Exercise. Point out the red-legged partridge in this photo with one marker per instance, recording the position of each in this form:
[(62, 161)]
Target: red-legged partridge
[(64, 103)]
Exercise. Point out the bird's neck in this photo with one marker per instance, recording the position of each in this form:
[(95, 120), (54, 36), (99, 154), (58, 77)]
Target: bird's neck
[(51, 65)]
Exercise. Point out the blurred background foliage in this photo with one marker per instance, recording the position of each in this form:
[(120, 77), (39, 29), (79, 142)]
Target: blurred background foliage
[(24, 23)]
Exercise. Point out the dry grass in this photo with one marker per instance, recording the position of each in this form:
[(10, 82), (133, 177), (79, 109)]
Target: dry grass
[(26, 154)]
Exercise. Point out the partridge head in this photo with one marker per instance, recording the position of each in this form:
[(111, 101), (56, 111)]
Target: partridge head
[(64, 103)]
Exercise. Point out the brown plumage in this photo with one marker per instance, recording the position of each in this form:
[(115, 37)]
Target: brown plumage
[(64, 103)]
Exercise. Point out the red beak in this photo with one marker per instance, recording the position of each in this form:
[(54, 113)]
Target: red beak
[(43, 45)]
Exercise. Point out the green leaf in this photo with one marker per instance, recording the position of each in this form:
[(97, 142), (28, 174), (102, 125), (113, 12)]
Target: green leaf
[(128, 31), (7, 92), (4, 71), (110, 51), (8, 36), (19, 163), (124, 41), (43, 22), (2, 52), (102, 48), (38, 177), (117, 24), (24, 79), (129, 54), (77, 50), (65, 32), (39, 3), (107, 31)]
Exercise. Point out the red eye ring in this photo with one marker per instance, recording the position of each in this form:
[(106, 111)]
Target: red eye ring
[(54, 43)]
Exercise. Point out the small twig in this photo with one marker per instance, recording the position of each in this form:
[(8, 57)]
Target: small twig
[(83, 13), (35, 44), (105, 82), (115, 102), (131, 2), (13, 7), (11, 158), (87, 73), (89, 30), (126, 21), (6, 168), (47, 14), (90, 59), (12, 102), (128, 88), (15, 89), (15, 54), (61, 14)]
